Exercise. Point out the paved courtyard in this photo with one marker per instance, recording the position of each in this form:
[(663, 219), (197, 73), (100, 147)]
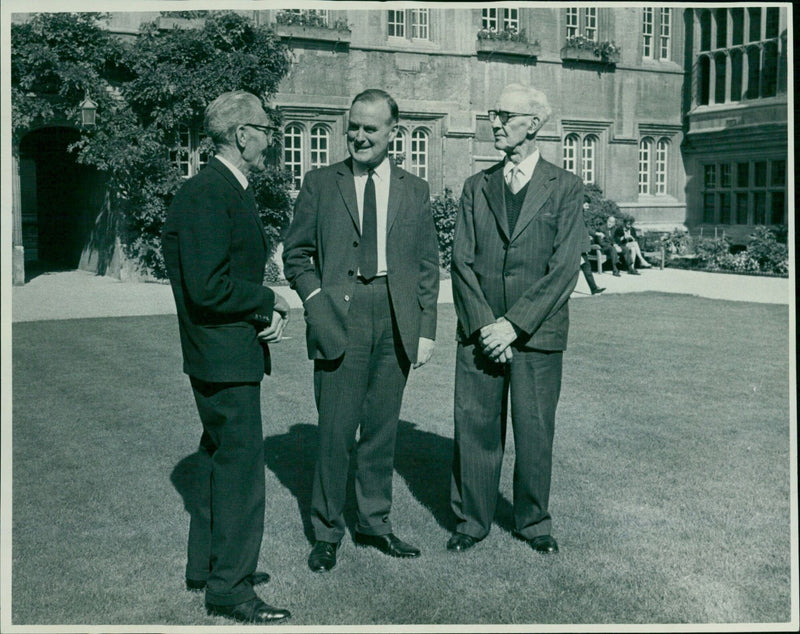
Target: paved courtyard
[(79, 294)]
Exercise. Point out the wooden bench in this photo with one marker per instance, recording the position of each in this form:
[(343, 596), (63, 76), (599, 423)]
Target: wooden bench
[(597, 256)]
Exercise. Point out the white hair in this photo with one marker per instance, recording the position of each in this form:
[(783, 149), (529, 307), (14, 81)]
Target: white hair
[(227, 112), (537, 101)]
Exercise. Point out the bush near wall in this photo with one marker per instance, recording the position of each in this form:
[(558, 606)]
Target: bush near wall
[(444, 208), (764, 253), (600, 208)]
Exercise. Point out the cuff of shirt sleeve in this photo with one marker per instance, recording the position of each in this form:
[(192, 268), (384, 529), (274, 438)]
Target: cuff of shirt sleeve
[(311, 294)]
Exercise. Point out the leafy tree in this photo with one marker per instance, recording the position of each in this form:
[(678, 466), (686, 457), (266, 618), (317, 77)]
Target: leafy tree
[(145, 90), (600, 208), (55, 59)]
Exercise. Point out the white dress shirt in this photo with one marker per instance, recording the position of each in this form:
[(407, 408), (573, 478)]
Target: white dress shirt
[(381, 177), (525, 169), (235, 170)]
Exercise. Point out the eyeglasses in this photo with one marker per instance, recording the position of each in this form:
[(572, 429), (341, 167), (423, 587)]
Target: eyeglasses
[(504, 115), (262, 128)]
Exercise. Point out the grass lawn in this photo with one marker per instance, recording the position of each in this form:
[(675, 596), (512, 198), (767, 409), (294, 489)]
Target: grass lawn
[(670, 498)]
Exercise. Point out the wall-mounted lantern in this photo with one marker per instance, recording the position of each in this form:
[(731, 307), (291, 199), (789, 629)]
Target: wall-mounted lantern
[(88, 111)]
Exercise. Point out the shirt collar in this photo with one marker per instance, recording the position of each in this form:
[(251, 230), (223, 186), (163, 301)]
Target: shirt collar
[(383, 170), (235, 170), (526, 166)]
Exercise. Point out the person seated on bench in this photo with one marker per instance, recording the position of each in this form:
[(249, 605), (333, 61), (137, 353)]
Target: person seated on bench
[(602, 237), (625, 236)]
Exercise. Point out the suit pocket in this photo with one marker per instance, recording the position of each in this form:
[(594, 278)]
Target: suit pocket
[(325, 332)]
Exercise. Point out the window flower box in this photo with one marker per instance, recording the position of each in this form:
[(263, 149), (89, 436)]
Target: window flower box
[(581, 49), (318, 33), (509, 47)]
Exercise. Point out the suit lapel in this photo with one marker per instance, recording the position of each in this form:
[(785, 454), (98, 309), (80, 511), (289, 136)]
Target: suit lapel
[(347, 188), (396, 196), (495, 196), (245, 194), (538, 192), (251, 203)]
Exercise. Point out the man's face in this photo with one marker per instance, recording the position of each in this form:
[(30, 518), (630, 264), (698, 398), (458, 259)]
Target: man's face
[(256, 140), (515, 131), (370, 130)]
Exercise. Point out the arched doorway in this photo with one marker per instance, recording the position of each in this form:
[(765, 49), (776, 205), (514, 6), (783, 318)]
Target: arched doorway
[(60, 199)]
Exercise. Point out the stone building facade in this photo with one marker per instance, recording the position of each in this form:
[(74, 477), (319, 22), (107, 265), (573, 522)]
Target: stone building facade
[(679, 115)]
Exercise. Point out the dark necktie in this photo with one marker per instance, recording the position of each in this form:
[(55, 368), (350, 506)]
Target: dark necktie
[(368, 264)]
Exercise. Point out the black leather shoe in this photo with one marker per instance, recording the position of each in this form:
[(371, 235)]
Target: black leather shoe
[(616, 273), (388, 544), (323, 556), (459, 542), (545, 544), (256, 579), (597, 291), (252, 611)]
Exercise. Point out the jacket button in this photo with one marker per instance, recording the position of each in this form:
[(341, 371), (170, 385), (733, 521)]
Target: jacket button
[(507, 273), (347, 298), (355, 243), (351, 273), (505, 247)]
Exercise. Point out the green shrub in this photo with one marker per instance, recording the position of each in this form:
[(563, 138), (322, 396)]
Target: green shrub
[(273, 274), (741, 262), (709, 250), (764, 248), (677, 243), (600, 208), (444, 208), (271, 191)]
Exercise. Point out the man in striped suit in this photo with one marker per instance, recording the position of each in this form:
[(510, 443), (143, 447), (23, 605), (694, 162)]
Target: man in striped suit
[(516, 256)]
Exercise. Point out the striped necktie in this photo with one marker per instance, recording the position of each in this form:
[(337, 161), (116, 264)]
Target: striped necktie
[(515, 180)]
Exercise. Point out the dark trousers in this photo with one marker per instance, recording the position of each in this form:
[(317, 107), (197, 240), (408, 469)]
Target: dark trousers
[(586, 267), (362, 391), (612, 255), (225, 533), (481, 396)]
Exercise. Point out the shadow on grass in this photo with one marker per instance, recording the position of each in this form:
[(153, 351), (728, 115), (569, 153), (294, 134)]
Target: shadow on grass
[(291, 457), (424, 460), (190, 479)]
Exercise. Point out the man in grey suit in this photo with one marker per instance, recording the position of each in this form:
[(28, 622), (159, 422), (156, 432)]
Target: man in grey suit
[(516, 255), (362, 254)]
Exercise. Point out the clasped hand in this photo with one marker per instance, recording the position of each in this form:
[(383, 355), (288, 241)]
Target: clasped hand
[(496, 338), (280, 317)]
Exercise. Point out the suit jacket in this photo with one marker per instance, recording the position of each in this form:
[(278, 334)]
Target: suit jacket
[(321, 251), (526, 276), (215, 250), (619, 235)]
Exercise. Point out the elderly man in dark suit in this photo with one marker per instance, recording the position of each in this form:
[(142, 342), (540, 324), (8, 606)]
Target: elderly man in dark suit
[(215, 250), (362, 254), (516, 254)]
